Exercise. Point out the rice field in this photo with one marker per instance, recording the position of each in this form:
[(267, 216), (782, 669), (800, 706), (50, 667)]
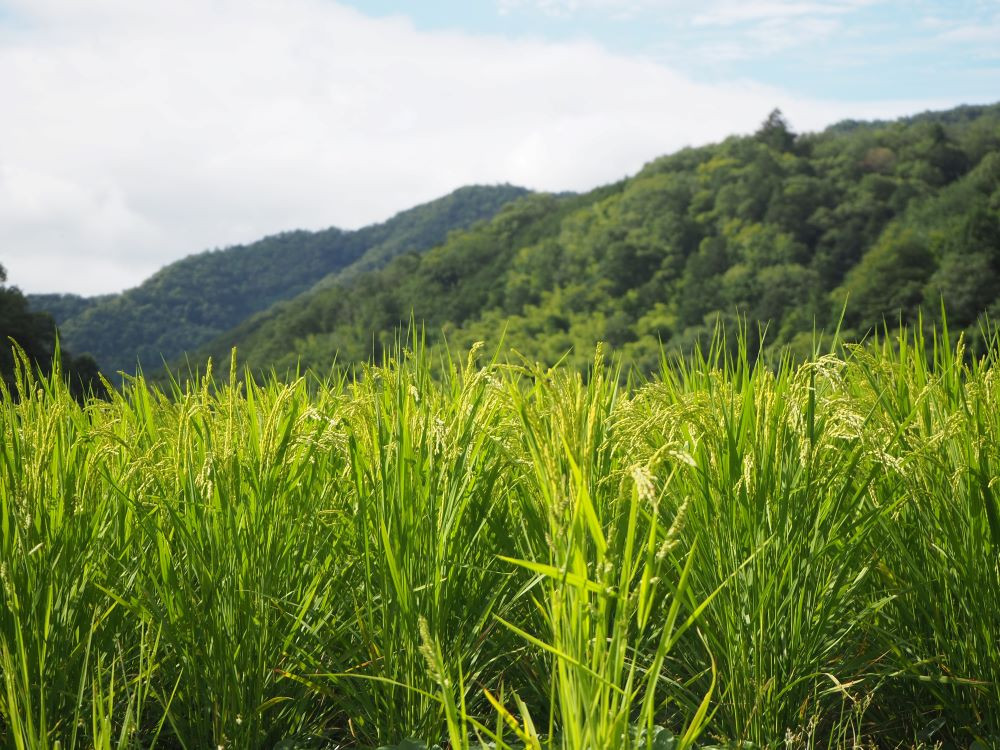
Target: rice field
[(484, 554)]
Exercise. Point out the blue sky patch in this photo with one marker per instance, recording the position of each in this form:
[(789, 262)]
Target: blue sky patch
[(852, 50)]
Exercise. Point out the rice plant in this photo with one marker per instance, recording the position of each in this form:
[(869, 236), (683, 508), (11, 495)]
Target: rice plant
[(731, 553)]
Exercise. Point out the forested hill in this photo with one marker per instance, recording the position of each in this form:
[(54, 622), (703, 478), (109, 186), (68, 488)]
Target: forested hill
[(191, 301), (774, 227), (33, 335)]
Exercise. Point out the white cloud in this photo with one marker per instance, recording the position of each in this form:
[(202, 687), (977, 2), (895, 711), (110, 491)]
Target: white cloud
[(760, 28), (135, 133), (750, 29), (699, 12), (618, 8), (977, 33), (731, 12)]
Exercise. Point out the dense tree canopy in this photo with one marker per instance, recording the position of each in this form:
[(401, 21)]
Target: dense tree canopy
[(34, 334), (776, 228)]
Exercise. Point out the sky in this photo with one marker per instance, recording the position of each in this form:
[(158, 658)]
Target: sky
[(135, 133)]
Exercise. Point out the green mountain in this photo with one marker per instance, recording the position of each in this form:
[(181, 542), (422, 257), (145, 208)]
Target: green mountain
[(62, 307), (189, 302), (881, 219)]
